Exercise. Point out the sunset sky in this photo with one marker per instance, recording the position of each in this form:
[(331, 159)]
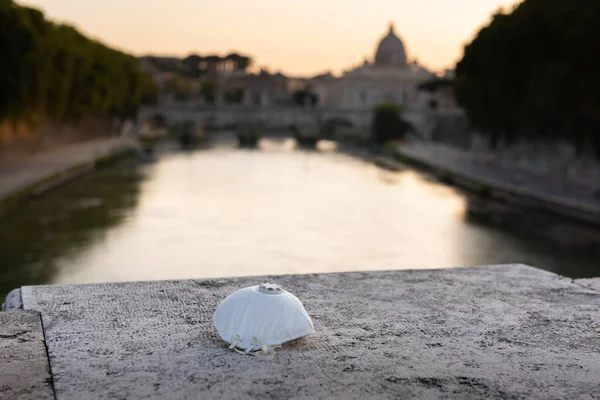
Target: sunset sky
[(297, 37)]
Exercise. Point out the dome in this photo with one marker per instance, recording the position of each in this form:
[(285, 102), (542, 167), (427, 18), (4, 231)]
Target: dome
[(391, 52)]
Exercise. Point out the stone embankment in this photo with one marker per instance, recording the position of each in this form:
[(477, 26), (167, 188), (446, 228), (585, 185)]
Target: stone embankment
[(44, 171), (577, 200)]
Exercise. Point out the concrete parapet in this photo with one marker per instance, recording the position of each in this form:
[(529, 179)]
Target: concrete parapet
[(505, 331), (24, 369)]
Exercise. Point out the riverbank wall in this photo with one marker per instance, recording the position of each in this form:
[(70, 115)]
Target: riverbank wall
[(37, 175), (494, 332), (500, 190), (22, 139)]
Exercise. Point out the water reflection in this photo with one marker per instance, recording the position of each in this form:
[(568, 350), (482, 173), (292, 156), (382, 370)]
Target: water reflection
[(42, 237), (227, 212), (553, 243)]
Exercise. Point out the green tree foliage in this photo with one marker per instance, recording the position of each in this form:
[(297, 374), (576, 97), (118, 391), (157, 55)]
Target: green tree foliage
[(179, 87), (388, 123), (244, 63), (208, 89), (534, 73), (192, 64), (53, 70)]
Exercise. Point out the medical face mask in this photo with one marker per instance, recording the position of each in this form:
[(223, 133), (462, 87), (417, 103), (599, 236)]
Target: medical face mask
[(257, 319)]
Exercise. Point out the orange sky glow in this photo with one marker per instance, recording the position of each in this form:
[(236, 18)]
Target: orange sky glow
[(296, 37)]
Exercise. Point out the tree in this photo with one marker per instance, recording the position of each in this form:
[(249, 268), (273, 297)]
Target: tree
[(208, 89), (388, 123), (52, 70), (192, 65), (243, 63), (240, 62), (533, 73), (179, 87)]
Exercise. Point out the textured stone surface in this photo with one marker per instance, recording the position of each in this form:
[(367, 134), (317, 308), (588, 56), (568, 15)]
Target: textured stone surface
[(24, 371), (592, 283), (13, 301), (490, 332)]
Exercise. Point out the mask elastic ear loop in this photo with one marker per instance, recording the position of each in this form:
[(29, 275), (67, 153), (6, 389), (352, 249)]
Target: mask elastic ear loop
[(265, 352), (234, 340), (246, 352)]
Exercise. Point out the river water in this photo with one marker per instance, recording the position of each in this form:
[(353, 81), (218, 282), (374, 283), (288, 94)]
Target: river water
[(230, 212)]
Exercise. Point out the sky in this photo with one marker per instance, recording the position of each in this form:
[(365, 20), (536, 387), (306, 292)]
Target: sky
[(296, 37)]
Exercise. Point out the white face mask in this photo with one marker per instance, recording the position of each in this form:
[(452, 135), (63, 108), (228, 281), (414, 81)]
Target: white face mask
[(257, 319)]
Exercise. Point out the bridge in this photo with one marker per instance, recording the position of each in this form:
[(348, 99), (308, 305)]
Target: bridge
[(281, 118)]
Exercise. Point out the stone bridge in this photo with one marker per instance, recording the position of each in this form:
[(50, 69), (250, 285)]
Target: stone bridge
[(279, 117)]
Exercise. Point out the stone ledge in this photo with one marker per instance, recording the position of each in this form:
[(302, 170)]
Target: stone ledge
[(483, 332), (13, 301), (592, 283), (24, 370)]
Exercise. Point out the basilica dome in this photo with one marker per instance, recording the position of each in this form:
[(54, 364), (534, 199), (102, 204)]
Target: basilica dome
[(390, 52)]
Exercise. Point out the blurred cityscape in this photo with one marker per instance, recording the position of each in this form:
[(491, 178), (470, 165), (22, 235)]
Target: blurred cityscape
[(508, 140)]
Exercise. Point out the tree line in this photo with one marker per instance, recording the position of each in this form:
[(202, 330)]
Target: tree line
[(49, 69), (533, 73)]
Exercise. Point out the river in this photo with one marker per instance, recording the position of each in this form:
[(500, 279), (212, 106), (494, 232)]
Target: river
[(229, 212)]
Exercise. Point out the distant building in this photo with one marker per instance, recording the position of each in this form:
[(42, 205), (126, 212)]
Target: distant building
[(157, 68), (262, 89), (388, 78), (232, 64)]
